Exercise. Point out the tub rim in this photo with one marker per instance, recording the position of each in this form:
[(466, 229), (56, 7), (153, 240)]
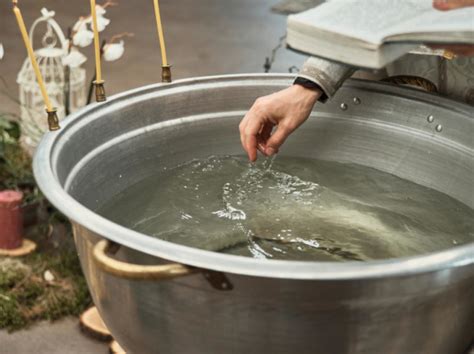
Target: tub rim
[(48, 183)]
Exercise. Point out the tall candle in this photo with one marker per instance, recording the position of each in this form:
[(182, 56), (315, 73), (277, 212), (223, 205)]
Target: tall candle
[(31, 54), (98, 72), (159, 29)]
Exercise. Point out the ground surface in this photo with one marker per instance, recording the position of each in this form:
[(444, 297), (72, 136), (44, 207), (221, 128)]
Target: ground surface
[(205, 37), (60, 337)]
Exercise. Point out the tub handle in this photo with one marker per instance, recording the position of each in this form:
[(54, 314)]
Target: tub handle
[(136, 271), (103, 248)]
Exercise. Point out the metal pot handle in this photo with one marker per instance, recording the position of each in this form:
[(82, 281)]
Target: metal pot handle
[(126, 270), (136, 271)]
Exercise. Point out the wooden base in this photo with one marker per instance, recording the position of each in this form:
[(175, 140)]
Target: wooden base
[(115, 348), (92, 325), (27, 246)]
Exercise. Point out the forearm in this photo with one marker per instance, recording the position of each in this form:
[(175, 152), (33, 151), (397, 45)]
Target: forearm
[(328, 75)]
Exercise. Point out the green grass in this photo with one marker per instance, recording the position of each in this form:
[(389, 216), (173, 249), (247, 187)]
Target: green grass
[(26, 297)]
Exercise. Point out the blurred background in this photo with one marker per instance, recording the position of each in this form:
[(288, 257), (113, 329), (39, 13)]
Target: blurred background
[(205, 37)]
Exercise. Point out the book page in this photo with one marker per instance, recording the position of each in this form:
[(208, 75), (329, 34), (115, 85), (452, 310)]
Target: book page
[(435, 21), (369, 20)]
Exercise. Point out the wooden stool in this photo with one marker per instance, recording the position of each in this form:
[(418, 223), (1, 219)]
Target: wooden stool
[(115, 348), (92, 324), (27, 246)]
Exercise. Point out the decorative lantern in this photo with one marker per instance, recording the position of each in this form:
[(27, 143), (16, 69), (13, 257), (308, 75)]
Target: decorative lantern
[(55, 48)]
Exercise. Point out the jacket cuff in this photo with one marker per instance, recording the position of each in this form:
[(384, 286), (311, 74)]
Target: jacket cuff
[(328, 75)]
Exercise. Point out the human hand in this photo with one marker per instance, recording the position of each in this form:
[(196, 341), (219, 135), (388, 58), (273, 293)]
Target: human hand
[(286, 109), (446, 5)]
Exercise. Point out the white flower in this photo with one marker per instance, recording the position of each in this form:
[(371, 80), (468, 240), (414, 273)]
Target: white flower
[(102, 22), (80, 25), (100, 10), (2, 51), (48, 276), (83, 37), (113, 51), (74, 59), (47, 14)]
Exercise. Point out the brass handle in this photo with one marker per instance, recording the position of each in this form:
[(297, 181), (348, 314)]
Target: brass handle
[(136, 271), (412, 80)]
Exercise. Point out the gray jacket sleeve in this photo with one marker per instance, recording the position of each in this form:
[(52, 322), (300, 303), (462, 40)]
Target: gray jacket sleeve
[(328, 75)]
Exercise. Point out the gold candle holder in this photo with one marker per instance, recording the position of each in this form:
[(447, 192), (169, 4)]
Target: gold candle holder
[(100, 91), (53, 121), (166, 73)]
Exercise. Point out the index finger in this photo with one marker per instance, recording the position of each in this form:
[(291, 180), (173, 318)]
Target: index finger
[(249, 134)]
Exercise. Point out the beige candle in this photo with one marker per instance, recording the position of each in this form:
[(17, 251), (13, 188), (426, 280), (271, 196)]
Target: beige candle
[(159, 29), (31, 54), (98, 72)]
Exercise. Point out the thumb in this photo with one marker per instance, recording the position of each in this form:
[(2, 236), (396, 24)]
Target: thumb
[(276, 140)]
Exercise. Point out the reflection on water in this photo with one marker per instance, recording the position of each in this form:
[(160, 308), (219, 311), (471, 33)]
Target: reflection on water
[(292, 208)]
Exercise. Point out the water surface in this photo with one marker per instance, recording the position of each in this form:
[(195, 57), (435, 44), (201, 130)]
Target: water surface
[(292, 208)]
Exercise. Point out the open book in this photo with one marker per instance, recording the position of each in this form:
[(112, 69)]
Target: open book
[(372, 33)]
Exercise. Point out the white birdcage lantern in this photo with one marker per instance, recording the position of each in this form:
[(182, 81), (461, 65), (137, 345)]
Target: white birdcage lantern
[(49, 57)]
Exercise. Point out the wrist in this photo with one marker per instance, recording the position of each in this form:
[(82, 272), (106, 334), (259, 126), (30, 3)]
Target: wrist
[(311, 92), (311, 85)]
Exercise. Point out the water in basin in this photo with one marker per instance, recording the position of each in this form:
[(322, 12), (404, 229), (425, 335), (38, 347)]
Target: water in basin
[(292, 208)]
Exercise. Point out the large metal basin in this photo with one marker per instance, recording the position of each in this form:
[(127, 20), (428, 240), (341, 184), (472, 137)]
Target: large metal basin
[(418, 305)]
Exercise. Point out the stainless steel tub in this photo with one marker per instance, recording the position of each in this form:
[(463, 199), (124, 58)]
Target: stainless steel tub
[(422, 304)]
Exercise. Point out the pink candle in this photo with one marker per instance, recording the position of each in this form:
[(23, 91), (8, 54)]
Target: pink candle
[(11, 219)]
